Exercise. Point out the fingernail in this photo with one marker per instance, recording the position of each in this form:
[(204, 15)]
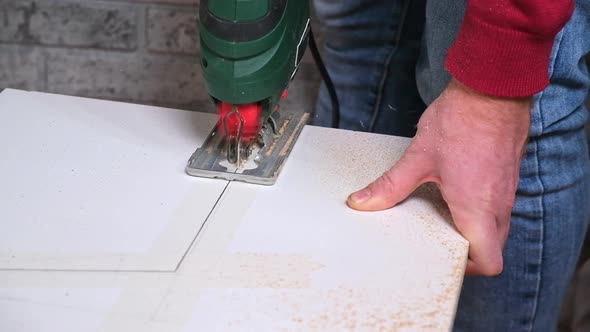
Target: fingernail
[(361, 196)]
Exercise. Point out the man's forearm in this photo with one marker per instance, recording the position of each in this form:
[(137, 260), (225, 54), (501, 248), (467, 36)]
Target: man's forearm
[(503, 46)]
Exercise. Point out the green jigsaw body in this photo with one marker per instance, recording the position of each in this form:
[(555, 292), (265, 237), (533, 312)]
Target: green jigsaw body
[(251, 49)]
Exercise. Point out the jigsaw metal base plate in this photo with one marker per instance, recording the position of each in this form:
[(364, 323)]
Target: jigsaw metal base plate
[(263, 166)]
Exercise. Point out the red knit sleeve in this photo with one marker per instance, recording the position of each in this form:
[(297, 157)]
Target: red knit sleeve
[(503, 46)]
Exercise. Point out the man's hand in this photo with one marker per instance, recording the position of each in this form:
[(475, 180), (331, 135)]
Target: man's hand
[(470, 145)]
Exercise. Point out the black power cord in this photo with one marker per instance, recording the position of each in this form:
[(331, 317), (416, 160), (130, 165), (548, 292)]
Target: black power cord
[(327, 80)]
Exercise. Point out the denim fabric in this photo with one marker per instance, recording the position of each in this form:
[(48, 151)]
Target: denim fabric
[(371, 60), (552, 208), (553, 200)]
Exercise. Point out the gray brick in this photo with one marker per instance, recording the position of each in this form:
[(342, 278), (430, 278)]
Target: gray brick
[(173, 31), (147, 79), (69, 23), (21, 68), (166, 2)]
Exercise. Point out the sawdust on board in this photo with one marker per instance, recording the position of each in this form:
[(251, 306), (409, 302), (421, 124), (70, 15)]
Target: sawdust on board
[(255, 270), (349, 309)]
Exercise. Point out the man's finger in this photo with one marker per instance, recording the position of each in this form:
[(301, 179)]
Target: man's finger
[(393, 186), (485, 250)]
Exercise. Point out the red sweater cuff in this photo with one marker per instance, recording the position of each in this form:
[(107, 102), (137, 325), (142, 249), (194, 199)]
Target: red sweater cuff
[(499, 61)]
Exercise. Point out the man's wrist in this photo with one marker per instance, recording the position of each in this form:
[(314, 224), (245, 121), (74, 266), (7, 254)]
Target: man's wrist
[(456, 84), (492, 113)]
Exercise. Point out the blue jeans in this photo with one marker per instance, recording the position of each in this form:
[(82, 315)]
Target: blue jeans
[(371, 49), (552, 207)]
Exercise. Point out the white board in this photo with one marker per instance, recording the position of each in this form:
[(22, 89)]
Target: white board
[(301, 260), (27, 309), (291, 257), (97, 185)]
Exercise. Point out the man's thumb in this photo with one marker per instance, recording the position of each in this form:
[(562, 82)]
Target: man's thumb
[(393, 186)]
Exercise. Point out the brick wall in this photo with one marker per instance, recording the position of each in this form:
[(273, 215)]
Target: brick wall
[(141, 51)]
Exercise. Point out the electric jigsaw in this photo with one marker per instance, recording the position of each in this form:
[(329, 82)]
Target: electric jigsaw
[(250, 52)]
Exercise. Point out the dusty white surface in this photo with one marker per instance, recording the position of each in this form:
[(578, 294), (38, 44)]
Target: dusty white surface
[(96, 185), (301, 260), (291, 257)]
